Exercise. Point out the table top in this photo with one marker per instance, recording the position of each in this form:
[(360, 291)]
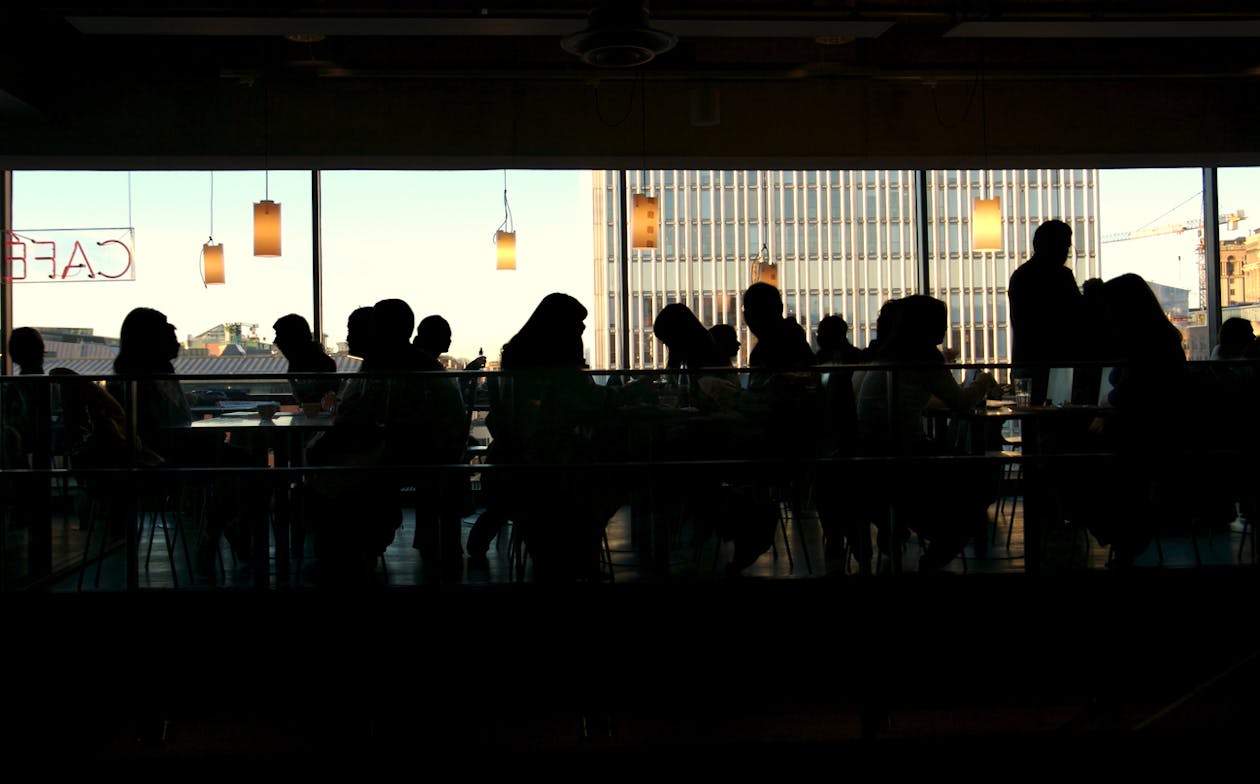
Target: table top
[(1002, 409), (245, 420)]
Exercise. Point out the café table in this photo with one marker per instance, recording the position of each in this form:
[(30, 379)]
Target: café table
[(284, 436)]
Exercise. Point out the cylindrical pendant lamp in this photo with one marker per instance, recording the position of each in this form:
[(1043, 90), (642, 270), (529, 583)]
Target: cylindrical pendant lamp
[(266, 228), (986, 224), (645, 222), (505, 249), (212, 263), (766, 272)]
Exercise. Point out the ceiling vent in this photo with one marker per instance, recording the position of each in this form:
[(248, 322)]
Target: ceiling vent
[(618, 35)]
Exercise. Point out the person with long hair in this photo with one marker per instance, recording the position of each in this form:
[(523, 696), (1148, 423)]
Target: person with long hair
[(237, 507), (543, 413)]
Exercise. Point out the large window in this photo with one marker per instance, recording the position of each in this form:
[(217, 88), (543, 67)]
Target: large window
[(171, 215), (425, 237)]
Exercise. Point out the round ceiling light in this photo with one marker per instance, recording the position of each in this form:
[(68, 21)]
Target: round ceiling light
[(618, 35)]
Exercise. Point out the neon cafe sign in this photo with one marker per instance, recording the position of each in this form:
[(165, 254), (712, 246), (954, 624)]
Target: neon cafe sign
[(69, 255)]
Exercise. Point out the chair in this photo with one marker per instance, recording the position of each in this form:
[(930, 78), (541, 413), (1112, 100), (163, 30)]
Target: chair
[(1011, 475)]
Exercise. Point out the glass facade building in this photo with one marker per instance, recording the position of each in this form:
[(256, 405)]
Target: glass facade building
[(842, 242)]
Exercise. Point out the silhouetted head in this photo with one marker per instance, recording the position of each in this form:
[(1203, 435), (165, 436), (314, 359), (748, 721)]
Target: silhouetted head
[(292, 332), (394, 321), (763, 308), (1136, 322), (886, 321), (551, 338), (1052, 240), (921, 323), (361, 332), (26, 347), (1237, 335), (146, 343), (685, 337), (433, 336), (726, 340), (833, 333)]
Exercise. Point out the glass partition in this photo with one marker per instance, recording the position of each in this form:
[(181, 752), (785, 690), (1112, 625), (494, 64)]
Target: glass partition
[(664, 474)]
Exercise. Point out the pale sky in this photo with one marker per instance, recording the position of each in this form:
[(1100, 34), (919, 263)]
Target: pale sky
[(1132, 199), (427, 238)]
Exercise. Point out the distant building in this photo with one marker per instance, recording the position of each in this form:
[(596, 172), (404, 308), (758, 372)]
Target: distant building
[(1240, 270), (1176, 304), (838, 242), (1173, 299), (1240, 293), (214, 341), (76, 343)]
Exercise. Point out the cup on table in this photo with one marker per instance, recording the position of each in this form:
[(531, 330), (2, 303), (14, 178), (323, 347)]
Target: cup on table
[(267, 410), (1022, 388)]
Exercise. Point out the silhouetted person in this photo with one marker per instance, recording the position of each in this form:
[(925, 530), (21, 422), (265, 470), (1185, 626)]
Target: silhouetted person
[(834, 347), (781, 342), (353, 515), (727, 341), (236, 506), (433, 337), (783, 395), (1046, 307), (1237, 337), (944, 501), (27, 442), (541, 410), (293, 338), (26, 348), (27, 406), (839, 438), (442, 436), (689, 343), (1156, 415)]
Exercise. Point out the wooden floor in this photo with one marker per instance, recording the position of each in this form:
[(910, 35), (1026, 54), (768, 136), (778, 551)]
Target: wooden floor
[(798, 553)]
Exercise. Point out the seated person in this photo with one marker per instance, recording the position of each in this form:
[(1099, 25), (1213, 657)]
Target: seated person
[(237, 506), (727, 342), (943, 501), (293, 338), (441, 438), (543, 419), (27, 406)]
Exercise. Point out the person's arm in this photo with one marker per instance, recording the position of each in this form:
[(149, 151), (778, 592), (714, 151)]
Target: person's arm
[(942, 384)]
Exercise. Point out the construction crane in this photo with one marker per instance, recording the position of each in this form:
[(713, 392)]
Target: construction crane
[(1229, 219), (1232, 219)]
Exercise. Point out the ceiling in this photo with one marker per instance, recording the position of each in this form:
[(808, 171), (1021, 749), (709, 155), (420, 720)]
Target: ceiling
[(455, 85)]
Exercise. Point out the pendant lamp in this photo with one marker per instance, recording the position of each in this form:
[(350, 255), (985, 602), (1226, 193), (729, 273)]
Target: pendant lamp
[(266, 225), (986, 214), (986, 224), (505, 236), (212, 268), (645, 222), (212, 263)]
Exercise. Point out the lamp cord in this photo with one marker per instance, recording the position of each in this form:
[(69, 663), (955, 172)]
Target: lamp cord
[(507, 224), (212, 206), (984, 119)]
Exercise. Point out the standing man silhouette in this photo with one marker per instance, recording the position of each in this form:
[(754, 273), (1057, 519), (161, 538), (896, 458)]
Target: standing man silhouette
[(1046, 307)]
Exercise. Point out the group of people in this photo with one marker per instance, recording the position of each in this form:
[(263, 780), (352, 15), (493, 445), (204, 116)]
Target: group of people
[(1169, 425), (554, 430)]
